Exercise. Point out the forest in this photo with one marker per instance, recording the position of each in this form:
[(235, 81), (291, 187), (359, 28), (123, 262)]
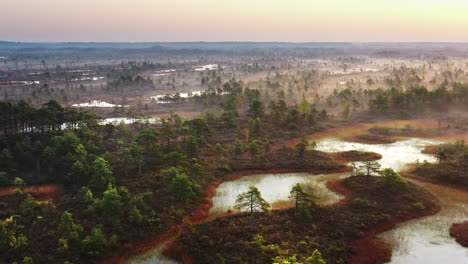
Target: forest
[(306, 144)]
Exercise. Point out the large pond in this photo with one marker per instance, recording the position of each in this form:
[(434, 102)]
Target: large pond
[(275, 189), (396, 155), (424, 240)]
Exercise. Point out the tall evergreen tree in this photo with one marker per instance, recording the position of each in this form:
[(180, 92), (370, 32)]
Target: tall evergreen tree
[(101, 174), (252, 201), (303, 200)]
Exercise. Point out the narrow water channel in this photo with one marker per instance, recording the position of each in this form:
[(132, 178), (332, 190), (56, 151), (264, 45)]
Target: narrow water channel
[(154, 256), (427, 240), (424, 240)]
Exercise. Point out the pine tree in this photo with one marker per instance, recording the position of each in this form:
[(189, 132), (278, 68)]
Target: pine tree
[(254, 148), (303, 199), (316, 258), (137, 157), (180, 185), (392, 179), (304, 107), (371, 167), (101, 174), (301, 148), (252, 201)]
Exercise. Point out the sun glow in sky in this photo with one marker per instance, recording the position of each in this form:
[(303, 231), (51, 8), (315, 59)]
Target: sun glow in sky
[(234, 20)]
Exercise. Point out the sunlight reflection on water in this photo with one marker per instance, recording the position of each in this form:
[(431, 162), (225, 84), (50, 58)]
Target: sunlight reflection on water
[(275, 189)]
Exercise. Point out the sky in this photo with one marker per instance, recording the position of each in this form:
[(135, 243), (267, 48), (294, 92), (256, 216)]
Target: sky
[(234, 20)]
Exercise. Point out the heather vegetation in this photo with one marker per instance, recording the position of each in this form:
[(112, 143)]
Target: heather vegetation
[(452, 167), (307, 233), (127, 182), (75, 188)]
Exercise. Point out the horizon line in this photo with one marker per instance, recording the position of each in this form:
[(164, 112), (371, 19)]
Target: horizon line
[(233, 41)]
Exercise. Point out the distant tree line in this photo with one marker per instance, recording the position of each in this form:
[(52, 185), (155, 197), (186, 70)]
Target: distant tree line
[(26, 118)]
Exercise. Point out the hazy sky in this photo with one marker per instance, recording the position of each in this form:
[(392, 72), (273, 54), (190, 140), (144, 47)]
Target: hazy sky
[(234, 20)]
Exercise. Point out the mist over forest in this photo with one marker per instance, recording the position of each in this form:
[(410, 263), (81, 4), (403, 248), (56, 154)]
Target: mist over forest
[(233, 152)]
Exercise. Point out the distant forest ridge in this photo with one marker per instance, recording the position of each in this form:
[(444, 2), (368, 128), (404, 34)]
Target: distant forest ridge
[(31, 50), (226, 45)]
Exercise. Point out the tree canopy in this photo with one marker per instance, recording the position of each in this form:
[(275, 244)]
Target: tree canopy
[(252, 201)]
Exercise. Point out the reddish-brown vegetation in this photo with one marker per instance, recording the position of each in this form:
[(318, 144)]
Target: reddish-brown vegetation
[(450, 172), (354, 155), (40, 192), (371, 250), (372, 139), (431, 150), (460, 233), (366, 211), (336, 186), (200, 215)]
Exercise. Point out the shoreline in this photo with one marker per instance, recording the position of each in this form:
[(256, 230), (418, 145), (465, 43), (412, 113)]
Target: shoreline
[(333, 185), (201, 214), (410, 175), (338, 157), (460, 233), (362, 245), (369, 242), (381, 251)]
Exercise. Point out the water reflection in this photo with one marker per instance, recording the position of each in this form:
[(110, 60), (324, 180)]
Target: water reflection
[(427, 240), (420, 241), (274, 188), (396, 155), (424, 240)]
